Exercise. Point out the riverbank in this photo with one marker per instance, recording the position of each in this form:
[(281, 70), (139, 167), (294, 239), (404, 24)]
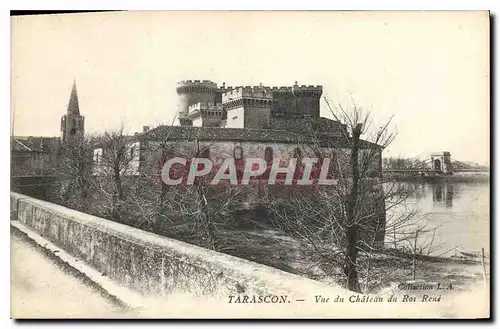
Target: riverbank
[(378, 271), (477, 178)]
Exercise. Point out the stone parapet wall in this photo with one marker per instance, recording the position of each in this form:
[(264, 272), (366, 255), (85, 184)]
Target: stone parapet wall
[(155, 265)]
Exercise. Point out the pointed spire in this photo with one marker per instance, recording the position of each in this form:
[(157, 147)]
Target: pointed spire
[(73, 107)]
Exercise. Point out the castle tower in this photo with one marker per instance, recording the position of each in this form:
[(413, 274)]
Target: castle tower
[(204, 114), (247, 107), (221, 90), (283, 103), (72, 123), (192, 92), (307, 100), (297, 101)]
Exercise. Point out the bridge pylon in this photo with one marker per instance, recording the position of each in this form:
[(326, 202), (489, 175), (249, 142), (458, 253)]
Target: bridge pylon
[(441, 163)]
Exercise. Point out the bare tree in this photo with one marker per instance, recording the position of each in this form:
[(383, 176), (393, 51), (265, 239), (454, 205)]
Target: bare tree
[(74, 173), (196, 212), (404, 163), (338, 222), (132, 191), (113, 163)]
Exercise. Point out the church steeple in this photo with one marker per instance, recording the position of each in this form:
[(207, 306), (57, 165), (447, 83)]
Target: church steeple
[(73, 106), (72, 123)]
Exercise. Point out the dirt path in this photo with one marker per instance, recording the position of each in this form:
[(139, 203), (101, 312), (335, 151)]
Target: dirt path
[(41, 289)]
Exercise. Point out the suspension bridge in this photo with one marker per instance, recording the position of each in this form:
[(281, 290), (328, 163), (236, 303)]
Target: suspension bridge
[(438, 164)]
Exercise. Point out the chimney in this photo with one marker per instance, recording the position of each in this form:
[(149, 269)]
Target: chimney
[(145, 128), (223, 85)]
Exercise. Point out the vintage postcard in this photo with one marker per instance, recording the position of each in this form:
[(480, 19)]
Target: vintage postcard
[(170, 164)]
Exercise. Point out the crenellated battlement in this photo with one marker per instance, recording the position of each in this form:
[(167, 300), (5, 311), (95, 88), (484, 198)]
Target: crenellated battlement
[(196, 82), (223, 88), (260, 92), (249, 89), (204, 106), (300, 89), (265, 92), (307, 90), (186, 86)]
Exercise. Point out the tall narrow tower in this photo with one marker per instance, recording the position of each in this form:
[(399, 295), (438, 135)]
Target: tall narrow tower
[(72, 123)]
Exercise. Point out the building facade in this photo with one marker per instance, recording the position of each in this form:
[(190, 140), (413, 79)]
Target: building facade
[(34, 156)]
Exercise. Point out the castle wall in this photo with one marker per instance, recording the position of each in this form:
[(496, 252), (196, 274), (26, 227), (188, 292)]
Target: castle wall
[(298, 101), (198, 122), (207, 121), (283, 104), (257, 117), (191, 98), (220, 150), (308, 105), (211, 121), (236, 118), (248, 117)]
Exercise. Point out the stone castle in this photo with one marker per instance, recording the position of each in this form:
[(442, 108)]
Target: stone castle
[(202, 103)]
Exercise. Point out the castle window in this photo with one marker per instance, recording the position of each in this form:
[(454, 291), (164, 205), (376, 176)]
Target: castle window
[(268, 154), (238, 153), (72, 131), (132, 151)]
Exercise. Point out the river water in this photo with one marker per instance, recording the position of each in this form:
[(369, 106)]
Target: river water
[(457, 212)]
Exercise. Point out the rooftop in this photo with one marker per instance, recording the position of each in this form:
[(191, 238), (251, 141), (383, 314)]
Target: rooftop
[(34, 144)]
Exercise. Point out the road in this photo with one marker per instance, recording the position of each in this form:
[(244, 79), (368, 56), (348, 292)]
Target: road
[(41, 289)]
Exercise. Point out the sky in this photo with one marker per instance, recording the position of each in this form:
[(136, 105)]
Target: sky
[(429, 70)]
